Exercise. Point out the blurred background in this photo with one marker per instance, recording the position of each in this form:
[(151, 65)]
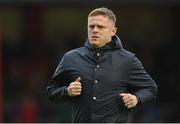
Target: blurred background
[(34, 35)]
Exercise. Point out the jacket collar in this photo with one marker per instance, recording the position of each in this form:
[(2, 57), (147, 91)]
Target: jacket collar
[(114, 44)]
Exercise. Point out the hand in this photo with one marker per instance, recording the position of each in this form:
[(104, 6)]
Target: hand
[(129, 100), (74, 89)]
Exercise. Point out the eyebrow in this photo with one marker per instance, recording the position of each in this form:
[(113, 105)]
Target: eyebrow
[(97, 25)]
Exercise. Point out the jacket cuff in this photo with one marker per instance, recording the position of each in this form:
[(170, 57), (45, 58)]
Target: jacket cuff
[(65, 91), (139, 100)]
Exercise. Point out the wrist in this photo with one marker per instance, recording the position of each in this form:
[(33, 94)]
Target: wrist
[(66, 91), (138, 100)]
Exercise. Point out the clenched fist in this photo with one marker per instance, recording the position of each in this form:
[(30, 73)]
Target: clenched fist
[(129, 100), (74, 88)]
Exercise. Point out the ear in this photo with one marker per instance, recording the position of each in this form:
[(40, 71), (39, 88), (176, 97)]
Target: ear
[(114, 30)]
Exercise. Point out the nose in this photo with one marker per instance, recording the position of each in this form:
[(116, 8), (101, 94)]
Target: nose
[(95, 29)]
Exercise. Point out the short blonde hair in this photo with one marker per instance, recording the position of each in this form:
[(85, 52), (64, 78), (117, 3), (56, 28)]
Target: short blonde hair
[(105, 12)]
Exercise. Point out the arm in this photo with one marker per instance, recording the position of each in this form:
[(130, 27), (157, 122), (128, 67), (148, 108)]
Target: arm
[(57, 86), (142, 84)]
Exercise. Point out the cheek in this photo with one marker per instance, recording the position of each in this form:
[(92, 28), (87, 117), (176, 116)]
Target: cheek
[(88, 30), (89, 33), (107, 34)]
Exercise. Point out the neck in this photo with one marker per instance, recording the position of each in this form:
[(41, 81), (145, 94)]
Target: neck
[(102, 44)]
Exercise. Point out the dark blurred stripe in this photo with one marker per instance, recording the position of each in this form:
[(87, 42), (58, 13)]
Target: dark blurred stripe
[(1, 80)]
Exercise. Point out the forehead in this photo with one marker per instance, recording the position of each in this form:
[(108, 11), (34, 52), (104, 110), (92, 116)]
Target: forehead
[(99, 19)]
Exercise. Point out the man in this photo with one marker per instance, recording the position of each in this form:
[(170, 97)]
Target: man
[(102, 80)]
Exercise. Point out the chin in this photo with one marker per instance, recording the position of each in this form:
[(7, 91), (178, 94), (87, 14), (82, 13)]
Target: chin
[(95, 45), (94, 42)]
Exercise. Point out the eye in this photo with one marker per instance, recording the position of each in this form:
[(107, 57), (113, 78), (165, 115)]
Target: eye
[(100, 26), (91, 26)]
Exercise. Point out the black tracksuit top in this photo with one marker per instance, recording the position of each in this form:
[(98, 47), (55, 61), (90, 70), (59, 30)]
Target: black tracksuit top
[(105, 73)]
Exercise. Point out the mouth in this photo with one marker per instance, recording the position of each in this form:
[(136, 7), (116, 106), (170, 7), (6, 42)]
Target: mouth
[(94, 37)]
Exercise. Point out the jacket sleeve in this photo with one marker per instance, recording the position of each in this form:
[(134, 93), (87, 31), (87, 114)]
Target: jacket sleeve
[(56, 87), (143, 85)]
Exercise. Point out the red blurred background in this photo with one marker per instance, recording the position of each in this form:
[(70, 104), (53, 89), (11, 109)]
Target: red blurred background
[(34, 35)]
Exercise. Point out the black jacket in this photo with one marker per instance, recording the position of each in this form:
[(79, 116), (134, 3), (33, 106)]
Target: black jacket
[(105, 72)]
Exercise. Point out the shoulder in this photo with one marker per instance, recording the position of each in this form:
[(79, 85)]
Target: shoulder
[(126, 54), (131, 57), (74, 52)]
